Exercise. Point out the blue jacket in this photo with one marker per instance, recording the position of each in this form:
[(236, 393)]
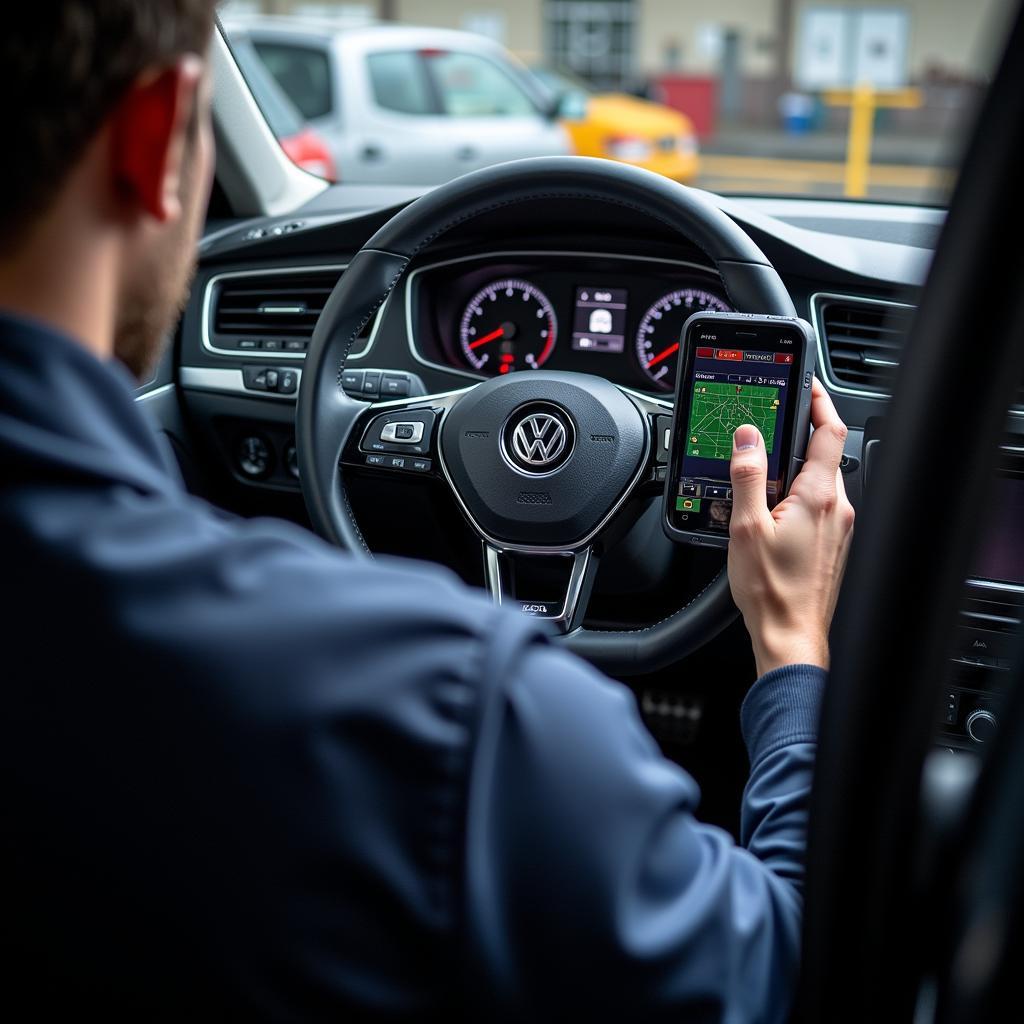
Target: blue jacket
[(248, 776)]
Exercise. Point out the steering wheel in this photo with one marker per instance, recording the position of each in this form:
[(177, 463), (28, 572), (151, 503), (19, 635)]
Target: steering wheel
[(541, 463)]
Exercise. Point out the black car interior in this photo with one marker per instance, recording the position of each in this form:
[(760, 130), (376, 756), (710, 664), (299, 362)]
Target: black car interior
[(307, 333)]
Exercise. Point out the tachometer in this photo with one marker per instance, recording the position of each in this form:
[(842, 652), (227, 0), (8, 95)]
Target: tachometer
[(508, 325), (657, 340)]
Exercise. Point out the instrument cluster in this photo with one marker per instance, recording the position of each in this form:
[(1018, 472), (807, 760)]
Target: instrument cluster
[(619, 317)]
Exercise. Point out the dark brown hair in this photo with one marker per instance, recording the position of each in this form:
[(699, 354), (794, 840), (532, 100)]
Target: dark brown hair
[(64, 64)]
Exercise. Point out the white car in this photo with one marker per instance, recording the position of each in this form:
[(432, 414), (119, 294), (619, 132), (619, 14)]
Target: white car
[(403, 105)]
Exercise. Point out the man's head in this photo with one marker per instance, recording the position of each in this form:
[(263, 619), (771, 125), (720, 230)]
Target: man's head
[(109, 137)]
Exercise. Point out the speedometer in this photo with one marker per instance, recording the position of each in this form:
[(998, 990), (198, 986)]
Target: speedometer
[(657, 340), (508, 325)]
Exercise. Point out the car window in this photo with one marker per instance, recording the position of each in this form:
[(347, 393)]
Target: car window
[(472, 86), (283, 117), (303, 72), (398, 82)]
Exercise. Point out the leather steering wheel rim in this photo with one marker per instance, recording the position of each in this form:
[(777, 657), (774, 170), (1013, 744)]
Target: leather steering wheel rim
[(325, 414)]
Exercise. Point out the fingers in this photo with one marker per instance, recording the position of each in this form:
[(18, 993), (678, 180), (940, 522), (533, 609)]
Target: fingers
[(825, 448), (748, 468)]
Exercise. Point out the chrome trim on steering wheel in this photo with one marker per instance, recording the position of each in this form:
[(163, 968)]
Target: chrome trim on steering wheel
[(565, 619)]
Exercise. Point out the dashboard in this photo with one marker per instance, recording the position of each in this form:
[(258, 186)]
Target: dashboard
[(570, 293), (615, 316)]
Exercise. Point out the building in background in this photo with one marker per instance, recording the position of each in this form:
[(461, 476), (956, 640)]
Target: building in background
[(733, 58)]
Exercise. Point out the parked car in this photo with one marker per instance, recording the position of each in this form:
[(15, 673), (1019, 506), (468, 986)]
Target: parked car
[(618, 126), (303, 145), (405, 105)]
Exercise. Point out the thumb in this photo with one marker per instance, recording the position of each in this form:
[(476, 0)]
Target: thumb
[(748, 468)]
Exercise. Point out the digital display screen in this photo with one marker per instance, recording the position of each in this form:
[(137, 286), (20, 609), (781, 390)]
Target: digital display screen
[(730, 377), (599, 320), (1001, 556)]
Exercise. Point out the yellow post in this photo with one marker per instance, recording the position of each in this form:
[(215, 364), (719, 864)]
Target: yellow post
[(863, 100), (858, 145)]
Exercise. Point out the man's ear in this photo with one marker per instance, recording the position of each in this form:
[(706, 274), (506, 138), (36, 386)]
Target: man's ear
[(150, 129)]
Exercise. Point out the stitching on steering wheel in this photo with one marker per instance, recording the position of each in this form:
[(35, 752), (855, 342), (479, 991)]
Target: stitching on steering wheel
[(369, 316)]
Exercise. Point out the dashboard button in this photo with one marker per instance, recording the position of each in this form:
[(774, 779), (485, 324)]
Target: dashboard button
[(248, 343), (420, 465), (271, 345), (295, 345), (375, 460), (288, 381)]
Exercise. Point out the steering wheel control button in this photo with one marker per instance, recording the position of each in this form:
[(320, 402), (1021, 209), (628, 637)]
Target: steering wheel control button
[(376, 460), (538, 438), (420, 465), (352, 381), (371, 383), (403, 432), (394, 385), (663, 433)]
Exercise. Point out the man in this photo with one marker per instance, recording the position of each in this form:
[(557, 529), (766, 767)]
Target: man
[(248, 776)]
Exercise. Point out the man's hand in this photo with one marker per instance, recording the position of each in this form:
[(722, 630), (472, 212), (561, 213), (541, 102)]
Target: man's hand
[(785, 565)]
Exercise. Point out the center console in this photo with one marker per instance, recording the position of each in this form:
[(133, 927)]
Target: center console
[(985, 640)]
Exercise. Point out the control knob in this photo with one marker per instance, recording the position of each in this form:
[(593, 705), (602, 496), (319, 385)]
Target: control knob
[(981, 725)]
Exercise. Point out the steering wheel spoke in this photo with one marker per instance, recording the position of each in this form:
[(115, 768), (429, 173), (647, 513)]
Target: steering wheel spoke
[(399, 434), (553, 586)]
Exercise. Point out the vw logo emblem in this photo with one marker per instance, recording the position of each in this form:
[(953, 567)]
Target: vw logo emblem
[(537, 438)]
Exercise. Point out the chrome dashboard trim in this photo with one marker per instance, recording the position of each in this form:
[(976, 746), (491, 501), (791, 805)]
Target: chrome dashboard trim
[(206, 314), (410, 334), (224, 379), (145, 396), (1009, 588)]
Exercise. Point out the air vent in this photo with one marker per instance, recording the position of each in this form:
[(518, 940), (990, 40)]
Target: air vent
[(998, 611), (863, 341), (271, 311), (279, 304)]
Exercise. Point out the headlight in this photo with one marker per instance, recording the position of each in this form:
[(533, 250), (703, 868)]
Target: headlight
[(688, 145), (628, 147)]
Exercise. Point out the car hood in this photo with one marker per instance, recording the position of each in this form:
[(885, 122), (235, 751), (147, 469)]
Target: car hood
[(632, 116)]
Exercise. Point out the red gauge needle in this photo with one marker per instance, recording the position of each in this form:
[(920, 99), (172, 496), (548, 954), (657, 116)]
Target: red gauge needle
[(491, 337), (671, 350)]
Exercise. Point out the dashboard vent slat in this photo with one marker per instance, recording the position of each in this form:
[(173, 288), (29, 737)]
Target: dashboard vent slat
[(863, 341), (277, 304), (995, 611)]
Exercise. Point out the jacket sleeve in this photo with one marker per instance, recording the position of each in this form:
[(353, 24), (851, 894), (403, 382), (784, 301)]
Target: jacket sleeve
[(591, 887)]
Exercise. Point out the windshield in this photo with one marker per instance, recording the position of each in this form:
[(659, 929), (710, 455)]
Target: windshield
[(790, 98)]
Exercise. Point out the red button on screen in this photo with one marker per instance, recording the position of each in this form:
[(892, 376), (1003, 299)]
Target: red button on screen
[(783, 357), (705, 353), (735, 354)]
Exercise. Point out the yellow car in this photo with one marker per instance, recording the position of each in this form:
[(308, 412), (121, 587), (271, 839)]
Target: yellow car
[(621, 127)]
